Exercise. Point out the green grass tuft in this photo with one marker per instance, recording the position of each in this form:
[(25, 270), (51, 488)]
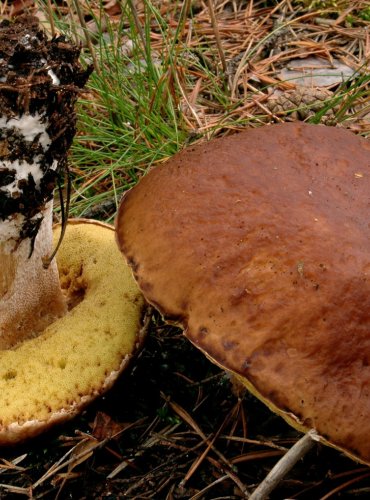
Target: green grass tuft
[(129, 116)]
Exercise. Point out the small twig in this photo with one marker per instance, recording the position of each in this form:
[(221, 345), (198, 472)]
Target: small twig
[(13, 465), (61, 463), (283, 466), (18, 490), (202, 456), (257, 455), (153, 440), (200, 493), (184, 415), (267, 443)]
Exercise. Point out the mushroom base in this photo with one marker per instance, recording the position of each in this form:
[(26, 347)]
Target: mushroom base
[(50, 378), (30, 296)]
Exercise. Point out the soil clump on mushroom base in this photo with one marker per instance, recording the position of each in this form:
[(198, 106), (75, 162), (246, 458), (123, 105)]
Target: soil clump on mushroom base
[(40, 81)]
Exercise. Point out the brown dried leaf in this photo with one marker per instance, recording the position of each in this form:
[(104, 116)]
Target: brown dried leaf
[(104, 427)]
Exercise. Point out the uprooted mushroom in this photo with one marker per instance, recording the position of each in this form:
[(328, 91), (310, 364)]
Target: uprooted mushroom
[(257, 244), (64, 339)]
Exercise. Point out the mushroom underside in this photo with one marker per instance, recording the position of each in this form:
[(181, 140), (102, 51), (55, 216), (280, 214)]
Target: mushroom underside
[(49, 379), (257, 245)]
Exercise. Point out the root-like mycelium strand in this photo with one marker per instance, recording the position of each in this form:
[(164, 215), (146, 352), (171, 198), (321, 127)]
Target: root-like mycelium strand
[(39, 84)]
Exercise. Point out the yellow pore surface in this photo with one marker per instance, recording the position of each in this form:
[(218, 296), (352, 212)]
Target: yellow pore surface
[(79, 355)]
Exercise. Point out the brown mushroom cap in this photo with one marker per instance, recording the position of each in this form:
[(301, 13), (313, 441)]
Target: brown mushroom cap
[(51, 378), (258, 245)]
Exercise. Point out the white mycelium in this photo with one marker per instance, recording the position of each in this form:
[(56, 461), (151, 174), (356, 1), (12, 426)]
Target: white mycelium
[(55, 80), (30, 127), (22, 170), (9, 230), (24, 283), (53, 77)]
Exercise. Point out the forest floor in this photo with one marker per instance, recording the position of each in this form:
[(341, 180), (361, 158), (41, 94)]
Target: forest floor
[(175, 426)]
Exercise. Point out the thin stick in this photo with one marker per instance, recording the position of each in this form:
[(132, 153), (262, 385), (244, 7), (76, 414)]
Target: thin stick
[(200, 493), (184, 415), (284, 465)]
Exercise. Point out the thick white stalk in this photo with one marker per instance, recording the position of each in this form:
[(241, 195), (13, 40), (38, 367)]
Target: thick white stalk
[(30, 296), (39, 85)]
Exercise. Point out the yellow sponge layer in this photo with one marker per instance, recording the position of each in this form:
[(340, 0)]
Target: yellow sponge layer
[(51, 377)]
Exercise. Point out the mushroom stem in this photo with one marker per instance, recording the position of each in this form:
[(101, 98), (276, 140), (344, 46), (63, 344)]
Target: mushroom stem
[(40, 80), (30, 296), (284, 465)]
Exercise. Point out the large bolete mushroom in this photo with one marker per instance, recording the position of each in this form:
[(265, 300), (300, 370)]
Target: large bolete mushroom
[(67, 328), (257, 244), (50, 378)]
